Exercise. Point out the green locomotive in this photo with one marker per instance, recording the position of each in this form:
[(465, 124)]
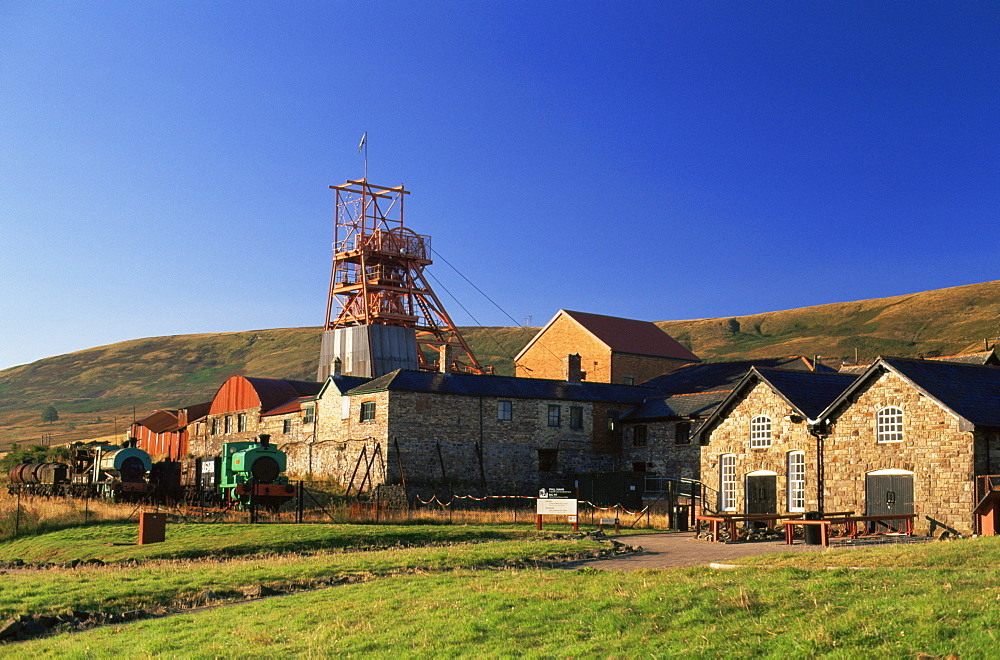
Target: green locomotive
[(252, 475)]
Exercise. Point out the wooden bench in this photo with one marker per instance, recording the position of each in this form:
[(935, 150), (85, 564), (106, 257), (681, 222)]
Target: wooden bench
[(730, 523), (824, 530)]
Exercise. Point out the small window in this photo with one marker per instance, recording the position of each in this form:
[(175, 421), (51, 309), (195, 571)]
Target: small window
[(229, 424), (367, 411), (727, 482), (640, 435), (639, 466), (345, 407), (555, 415), (628, 380), (760, 432), (241, 422), (310, 415), (215, 426), (286, 426), (796, 481), (576, 417), (682, 433), (612, 420), (890, 424), (505, 411), (547, 460)]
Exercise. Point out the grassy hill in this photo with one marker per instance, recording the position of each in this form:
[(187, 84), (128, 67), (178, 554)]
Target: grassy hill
[(96, 391)]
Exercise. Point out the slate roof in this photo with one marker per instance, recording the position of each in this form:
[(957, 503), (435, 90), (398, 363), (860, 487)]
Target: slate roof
[(699, 404), (970, 391), (982, 358), (503, 386), (624, 336), (809, 392), (709, 376)]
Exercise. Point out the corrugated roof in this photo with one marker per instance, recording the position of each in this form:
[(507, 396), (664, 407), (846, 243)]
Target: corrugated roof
[(503, 386), (632, 336)]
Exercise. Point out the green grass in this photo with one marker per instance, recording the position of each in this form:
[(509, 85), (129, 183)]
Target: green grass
[(934, 599), (545, 613), (112, 541)]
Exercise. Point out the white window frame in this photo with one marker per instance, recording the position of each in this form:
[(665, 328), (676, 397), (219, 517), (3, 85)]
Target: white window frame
[(760, 432), (796, 481), (367, 410), (345, 407), (889, 424), (505, 411), (727, 482)]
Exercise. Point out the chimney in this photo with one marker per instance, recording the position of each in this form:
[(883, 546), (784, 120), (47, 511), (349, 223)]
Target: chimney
[(573, 372), (338, 367), (445, 358)]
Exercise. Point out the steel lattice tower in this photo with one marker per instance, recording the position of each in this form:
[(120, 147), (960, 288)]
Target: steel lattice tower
[(377, 277)]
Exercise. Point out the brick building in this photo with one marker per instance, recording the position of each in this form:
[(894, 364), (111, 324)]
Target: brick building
[(611, 349)]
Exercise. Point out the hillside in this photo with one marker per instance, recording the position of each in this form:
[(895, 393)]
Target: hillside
[(95, 391)]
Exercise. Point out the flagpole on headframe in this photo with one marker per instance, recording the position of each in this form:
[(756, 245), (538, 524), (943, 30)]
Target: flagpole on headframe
[(364, 145)]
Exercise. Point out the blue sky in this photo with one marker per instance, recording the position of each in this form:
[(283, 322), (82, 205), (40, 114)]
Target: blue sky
[(165, 165)]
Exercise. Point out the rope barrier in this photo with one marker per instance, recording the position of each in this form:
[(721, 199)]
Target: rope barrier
[(434, 498)]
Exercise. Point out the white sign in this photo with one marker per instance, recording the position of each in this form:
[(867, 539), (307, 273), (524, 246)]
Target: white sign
[(572, 519), (547, 507)]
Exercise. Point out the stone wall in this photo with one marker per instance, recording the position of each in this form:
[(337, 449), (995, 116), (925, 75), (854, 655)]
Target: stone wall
[(661, 454), (732, 436), (452, 443), (938, 453)]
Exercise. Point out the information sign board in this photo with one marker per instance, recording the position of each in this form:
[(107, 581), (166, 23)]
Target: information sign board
[(553, 507)]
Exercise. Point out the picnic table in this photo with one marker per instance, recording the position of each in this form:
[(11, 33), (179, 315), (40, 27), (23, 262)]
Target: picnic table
[(730, 523)]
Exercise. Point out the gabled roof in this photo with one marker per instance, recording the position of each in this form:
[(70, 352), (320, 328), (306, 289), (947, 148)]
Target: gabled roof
[(708, 376), (970, 392), (503, 386), (807, 392), (159, 421), (341, 384), (623, 336)]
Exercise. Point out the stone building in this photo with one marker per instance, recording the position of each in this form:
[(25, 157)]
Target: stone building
[(469, 434), (244, 407), (913, 436), (657, 436), (758, 450), (610, 349)]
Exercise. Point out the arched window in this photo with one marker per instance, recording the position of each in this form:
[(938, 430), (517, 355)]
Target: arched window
[(760, 432), (889, 425)]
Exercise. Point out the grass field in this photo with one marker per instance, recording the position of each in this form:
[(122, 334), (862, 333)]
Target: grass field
[(485, 590)]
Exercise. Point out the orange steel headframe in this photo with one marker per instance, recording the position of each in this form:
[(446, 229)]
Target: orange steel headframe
[(377, 276)]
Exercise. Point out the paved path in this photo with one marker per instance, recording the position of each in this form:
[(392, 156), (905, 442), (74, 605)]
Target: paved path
[(675, 549)]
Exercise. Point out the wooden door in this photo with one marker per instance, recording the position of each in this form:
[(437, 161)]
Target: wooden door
[(762, 494), (889, 494)]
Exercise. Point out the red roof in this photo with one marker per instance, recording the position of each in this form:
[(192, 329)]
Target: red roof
[(295, 405), (631, 336)]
